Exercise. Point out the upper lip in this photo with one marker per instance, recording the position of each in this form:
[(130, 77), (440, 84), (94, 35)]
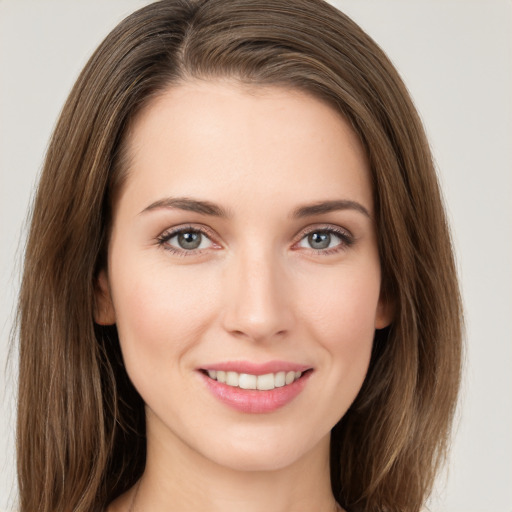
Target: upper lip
[(257, 368)]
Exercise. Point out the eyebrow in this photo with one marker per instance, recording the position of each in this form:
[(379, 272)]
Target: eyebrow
[(329, 206), (214, 210), (189, 205)]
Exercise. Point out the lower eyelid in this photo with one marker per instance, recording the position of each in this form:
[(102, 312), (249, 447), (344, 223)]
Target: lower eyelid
[(345, 240), (166, 236)]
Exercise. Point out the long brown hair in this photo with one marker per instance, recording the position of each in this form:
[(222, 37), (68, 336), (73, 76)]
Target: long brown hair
[(81, 432)]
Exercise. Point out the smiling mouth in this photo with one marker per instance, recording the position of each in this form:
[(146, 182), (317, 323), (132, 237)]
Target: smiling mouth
[(265, 382)]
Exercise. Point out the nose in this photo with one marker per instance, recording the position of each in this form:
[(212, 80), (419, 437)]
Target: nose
[(257, 297)]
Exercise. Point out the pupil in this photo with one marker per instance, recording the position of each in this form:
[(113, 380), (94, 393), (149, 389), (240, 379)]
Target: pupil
[(189, 240), (319, 240)]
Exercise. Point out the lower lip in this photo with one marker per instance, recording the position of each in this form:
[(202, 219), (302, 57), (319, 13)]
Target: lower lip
[(254, 401)]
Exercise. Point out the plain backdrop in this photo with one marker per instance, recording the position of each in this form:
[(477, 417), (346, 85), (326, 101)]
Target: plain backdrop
[(456, 58)]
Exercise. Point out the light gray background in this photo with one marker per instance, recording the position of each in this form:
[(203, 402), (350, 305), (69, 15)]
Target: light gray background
[(456, 58)]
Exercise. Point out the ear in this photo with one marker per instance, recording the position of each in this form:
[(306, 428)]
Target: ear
[(104, 313), (385, 313)]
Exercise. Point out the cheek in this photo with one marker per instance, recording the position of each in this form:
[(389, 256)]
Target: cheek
[(160, 313), (346, 296), (341, 316)]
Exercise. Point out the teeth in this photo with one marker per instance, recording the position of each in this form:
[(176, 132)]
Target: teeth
[(261, 382), (280, 379), (266, 382), (232, 379), (246, 381)]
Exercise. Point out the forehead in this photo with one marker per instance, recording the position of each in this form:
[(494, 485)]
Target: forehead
[(224, 140)]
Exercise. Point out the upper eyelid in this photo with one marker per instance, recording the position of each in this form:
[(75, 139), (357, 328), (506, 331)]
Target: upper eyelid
[(334, 228), (205, 229), (169, 233)]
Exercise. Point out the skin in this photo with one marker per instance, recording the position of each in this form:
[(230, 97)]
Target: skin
[(255, 290)]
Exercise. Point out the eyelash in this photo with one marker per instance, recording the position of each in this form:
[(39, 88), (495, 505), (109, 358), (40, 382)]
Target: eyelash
[(346, 239), (164, 238)]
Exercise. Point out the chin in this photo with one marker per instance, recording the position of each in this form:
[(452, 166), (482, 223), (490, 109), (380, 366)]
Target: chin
[(256, 462), (265, 453)]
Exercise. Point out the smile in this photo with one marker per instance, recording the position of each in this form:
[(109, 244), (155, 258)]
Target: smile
[(256, 388), (261, 382)]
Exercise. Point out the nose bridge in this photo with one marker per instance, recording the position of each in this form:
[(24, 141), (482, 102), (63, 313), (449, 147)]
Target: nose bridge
[(257, 304)]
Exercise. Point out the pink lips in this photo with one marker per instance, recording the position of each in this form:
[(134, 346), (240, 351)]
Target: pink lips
[(255, 401)]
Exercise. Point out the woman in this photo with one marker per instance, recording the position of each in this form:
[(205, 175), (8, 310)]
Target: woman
[(239, 289)]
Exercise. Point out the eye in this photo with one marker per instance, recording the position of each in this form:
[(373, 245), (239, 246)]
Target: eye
[(184, 240), (326, 240)]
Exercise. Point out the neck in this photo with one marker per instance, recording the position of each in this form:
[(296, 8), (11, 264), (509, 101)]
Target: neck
[(182, 479)]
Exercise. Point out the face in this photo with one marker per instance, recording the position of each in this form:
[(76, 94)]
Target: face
[(243, 255)]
